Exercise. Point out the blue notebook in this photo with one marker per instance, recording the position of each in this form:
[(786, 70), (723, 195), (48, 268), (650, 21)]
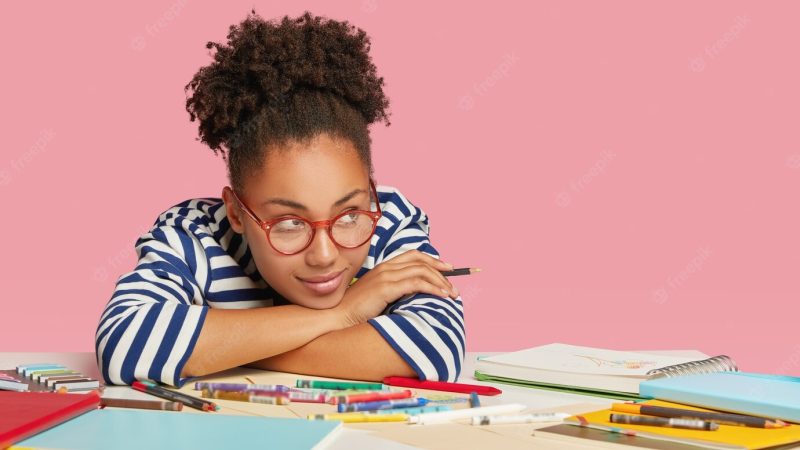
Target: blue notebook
[(123, 429), (773, 396)]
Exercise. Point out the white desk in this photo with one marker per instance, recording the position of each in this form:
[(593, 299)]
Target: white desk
[(373, 435)]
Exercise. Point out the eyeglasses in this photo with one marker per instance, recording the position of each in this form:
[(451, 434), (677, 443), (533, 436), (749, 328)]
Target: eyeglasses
[(292, 234)]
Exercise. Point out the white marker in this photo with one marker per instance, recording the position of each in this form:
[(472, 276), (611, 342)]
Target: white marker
[(524, 418), (466, 413)]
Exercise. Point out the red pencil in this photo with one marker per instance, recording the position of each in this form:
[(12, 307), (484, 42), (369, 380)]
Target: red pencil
[(441, 386)]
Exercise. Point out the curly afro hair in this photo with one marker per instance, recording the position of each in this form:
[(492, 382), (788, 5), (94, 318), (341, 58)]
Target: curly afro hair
[(287, 81)]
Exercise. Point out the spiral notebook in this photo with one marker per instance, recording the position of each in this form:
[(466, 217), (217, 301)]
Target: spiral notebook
[(594, 371)]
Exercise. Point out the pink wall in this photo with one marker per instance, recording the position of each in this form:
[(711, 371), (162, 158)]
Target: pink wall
[(626, 173)]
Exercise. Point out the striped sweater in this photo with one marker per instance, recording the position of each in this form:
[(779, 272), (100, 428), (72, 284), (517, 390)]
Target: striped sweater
[(192, 260)]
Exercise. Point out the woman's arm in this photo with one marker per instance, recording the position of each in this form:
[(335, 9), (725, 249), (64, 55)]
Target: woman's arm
[(358, 353), (232, 337)]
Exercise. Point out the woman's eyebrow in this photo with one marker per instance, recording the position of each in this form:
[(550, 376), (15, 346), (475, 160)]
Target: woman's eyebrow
[(300, 206)]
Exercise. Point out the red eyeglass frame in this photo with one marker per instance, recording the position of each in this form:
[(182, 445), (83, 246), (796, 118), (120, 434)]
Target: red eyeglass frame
[(267, 224)]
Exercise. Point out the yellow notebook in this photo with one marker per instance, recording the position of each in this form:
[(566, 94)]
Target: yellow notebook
[(727, 437)]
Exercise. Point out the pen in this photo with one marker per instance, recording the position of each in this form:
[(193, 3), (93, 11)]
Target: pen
[(193, 402), (462, 271), (721, 418), (467, 413), (441, 386), (524, 418), (691, 424)]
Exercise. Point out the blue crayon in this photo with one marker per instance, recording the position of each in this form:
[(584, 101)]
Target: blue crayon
[(474, 401), (384, 404)]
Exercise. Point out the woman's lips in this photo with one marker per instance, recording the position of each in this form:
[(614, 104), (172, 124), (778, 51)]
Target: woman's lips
[(324, 287)]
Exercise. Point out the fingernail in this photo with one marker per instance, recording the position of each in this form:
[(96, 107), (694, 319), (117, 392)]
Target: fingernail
[(446, 294)]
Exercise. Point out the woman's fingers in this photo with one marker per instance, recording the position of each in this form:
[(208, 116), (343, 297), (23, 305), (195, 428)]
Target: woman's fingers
[(401, 274), (416, 255)]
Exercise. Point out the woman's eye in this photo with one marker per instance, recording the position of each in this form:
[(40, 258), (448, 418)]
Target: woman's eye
[(290, 225)]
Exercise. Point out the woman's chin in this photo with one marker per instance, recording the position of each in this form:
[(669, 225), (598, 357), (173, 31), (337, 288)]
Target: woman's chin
[(326, 302)]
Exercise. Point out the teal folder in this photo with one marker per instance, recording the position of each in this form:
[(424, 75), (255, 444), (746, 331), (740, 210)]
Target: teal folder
[(756, 394), (124, 429)]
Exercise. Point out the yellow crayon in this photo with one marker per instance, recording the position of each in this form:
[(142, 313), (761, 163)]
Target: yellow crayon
[(360, 417)]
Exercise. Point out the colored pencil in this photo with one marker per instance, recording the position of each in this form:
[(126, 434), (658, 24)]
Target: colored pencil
[(679, 413), (188, 400)]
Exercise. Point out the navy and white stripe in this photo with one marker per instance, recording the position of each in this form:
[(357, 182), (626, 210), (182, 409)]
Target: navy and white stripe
[(192, 260)]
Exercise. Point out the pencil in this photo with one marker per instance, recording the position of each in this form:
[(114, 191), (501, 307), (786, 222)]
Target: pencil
[(462, 271), (141, 404), (721, 418), (691, 424), (193, 402)]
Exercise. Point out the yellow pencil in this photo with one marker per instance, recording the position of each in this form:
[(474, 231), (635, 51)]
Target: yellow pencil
[(360, 417)]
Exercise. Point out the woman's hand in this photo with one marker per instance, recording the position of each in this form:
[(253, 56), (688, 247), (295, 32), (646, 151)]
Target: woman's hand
[(410, 273)]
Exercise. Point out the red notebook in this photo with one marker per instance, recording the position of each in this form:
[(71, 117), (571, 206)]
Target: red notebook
[(23, 414)]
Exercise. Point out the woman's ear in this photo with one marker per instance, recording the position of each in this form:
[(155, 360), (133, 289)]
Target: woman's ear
[(234, 212)]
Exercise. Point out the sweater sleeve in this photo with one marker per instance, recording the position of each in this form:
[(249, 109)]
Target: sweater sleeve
[(151, 323), (426, 331)]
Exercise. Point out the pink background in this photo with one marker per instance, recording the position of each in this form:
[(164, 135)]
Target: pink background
[(627, 174)]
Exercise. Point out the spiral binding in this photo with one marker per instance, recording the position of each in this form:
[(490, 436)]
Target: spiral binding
[(721, 363)]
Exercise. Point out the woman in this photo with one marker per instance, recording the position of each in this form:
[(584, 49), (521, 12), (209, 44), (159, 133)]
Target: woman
[(304, 265)]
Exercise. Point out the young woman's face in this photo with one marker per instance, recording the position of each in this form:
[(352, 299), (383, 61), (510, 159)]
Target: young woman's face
[(306, 180)]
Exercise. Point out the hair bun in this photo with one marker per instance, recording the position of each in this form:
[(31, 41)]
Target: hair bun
[(265, 63)]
